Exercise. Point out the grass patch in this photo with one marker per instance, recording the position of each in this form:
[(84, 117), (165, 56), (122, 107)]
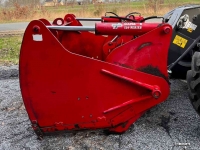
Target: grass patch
[(9, 50)]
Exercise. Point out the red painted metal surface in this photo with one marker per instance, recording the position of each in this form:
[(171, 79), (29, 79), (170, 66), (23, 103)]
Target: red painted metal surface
[(67, 84), (127, 28)]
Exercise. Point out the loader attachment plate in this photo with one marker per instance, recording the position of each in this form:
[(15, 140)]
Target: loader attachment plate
[(63, 89)]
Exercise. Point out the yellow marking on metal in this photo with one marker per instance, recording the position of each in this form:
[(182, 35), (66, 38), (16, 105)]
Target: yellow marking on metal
[(180, 41), (190, 30)]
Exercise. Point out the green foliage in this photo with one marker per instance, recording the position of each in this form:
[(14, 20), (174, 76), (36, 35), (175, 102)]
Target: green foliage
[(9, 50)]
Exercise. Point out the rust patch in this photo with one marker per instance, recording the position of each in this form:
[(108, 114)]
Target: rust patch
[(124, 124), (153, 70), (144, 45), (77, 126)]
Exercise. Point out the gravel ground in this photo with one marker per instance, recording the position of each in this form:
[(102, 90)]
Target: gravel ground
[(7, 72), (172, 125)]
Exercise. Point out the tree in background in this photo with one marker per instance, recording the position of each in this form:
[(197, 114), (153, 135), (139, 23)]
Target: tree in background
[(55, 2), (0, 3), (35, 3), (69, 2), (154, 4)]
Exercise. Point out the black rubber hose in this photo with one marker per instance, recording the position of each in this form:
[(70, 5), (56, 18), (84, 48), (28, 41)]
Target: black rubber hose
[(133, 13), (121, 18), (111, 13)]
